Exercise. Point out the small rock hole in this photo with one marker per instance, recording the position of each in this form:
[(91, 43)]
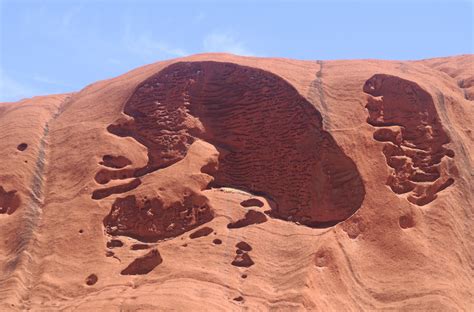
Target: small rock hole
[(22, 147)]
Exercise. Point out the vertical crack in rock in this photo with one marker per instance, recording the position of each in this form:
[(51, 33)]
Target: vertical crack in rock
[(414, 138), (316, 93), (271, 141), (19, 274)]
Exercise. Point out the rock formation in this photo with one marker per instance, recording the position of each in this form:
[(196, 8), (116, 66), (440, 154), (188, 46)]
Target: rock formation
[(243, 183)]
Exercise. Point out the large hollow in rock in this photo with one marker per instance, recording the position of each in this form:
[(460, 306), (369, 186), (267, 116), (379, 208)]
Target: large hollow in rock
[(415, 149), (270, 138)]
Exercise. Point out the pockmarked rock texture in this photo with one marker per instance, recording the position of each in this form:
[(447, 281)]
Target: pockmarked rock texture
[(243, 183), (149, 221), (244, 112), (415, 139)]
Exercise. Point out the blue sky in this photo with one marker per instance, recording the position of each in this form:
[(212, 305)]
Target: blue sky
[(60, 46)]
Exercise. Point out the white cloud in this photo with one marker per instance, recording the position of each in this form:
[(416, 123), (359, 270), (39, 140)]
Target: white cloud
[(12, 90), (145, 46), (224, 42)]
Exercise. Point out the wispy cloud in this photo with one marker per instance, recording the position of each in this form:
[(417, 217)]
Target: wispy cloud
[(46, 80), (13, 90), (224, 42), (147, 47)]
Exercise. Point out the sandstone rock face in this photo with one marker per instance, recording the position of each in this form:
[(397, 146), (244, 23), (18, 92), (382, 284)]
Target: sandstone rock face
[(243, 183)]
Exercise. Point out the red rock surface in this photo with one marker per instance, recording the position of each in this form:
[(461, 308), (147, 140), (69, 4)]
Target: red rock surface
[(265, 184)]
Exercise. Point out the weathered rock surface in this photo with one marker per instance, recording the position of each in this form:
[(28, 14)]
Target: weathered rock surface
[(265, 184)]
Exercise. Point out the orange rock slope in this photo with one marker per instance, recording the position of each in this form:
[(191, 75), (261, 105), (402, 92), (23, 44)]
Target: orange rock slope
[(217, 182)]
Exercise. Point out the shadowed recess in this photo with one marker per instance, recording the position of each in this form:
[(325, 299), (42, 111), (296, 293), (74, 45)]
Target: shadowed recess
[(143, 265), (270, 138), (21, 147), (414, 137), (9, 201), (115, 161)]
